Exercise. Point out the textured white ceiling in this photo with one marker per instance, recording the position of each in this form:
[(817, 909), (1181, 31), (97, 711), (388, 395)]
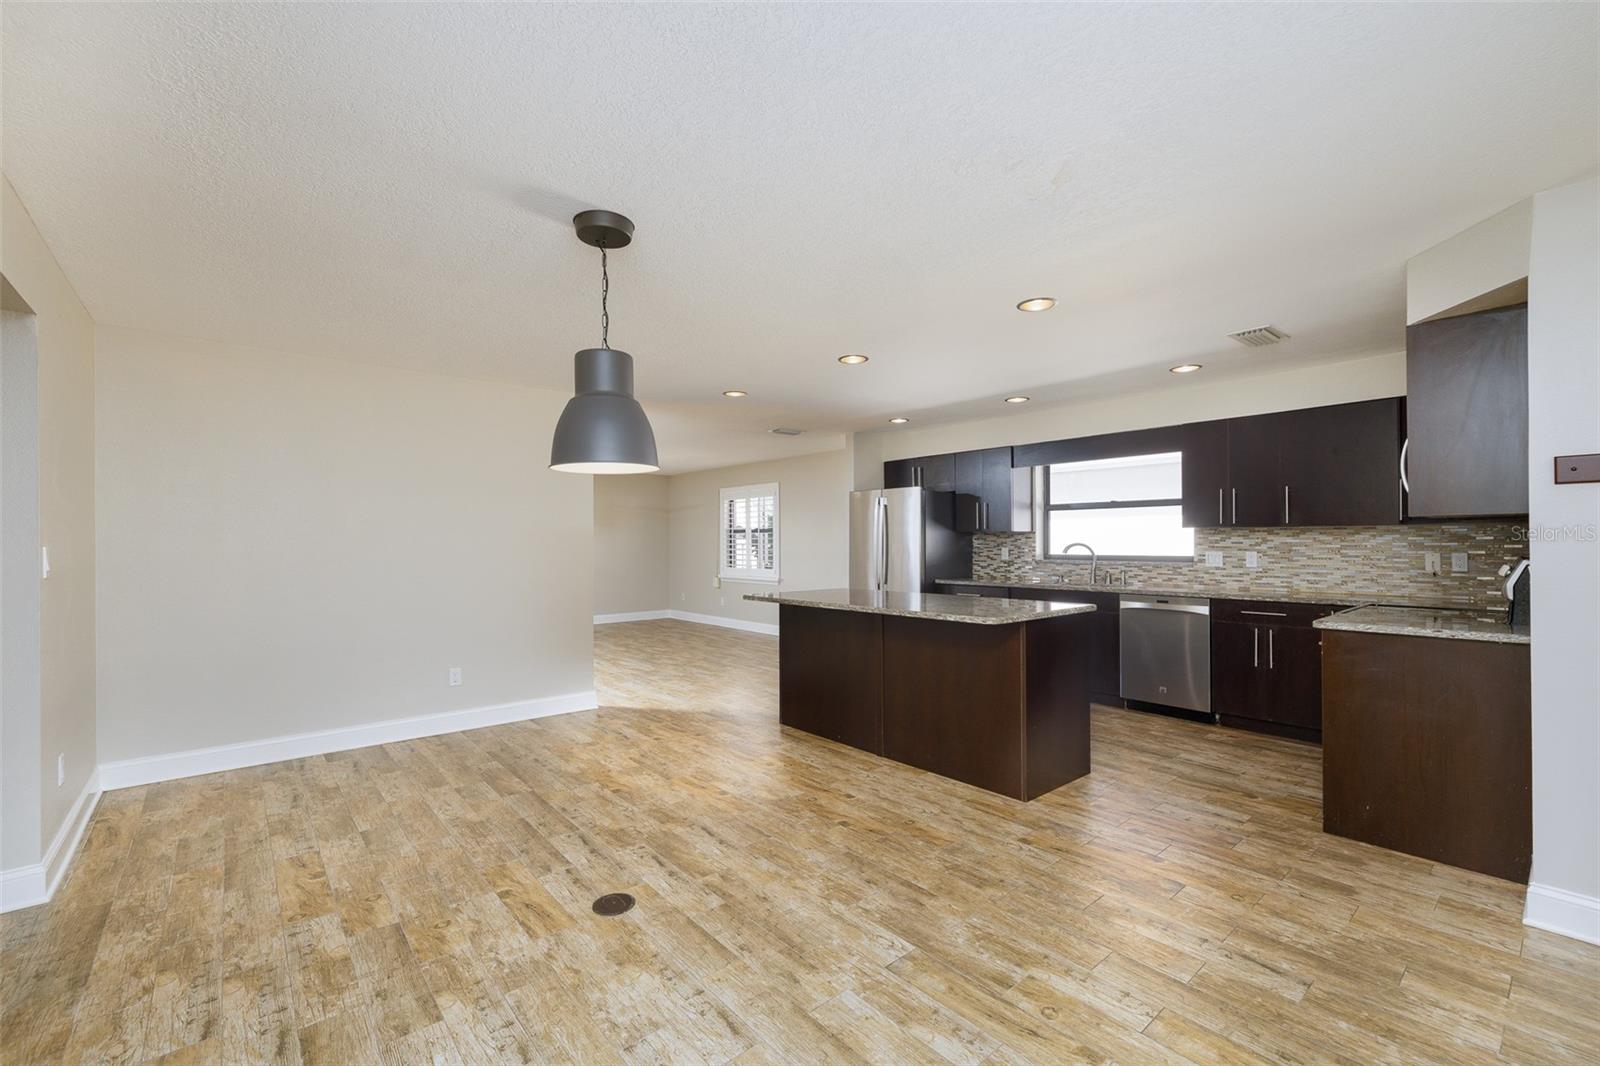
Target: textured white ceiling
[(392, 183)]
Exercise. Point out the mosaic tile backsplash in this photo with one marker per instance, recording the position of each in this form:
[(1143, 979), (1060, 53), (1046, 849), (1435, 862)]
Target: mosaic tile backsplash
[(1343, 563)]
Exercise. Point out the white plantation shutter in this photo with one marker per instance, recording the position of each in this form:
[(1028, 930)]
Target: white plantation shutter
[(749, 541)]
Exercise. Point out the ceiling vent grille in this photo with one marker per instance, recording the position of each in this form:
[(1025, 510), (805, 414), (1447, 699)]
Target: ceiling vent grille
[(785, 431), (1259, 337)]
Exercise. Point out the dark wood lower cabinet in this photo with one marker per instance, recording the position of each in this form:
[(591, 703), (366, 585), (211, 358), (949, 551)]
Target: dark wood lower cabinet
[(1266, 666), (1427, 748)]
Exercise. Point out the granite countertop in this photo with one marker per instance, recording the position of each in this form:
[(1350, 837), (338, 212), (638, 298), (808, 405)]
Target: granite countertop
[(1426, 622), (991, 611), (1332, 599)]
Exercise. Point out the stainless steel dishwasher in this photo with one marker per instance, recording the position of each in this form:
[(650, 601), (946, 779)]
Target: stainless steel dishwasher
[(1166, 651)]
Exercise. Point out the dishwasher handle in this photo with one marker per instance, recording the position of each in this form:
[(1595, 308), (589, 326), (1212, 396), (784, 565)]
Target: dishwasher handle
[(1163, 605)]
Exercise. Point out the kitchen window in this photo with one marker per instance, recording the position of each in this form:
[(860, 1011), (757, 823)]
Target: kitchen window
[(1128, 507), (749, 533)]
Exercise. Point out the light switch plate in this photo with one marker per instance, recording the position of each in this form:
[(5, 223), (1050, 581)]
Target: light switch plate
[(1458, 562), (1577, 469), (1005, 554), (1252, 560), (1213, 558), (1430, 562)]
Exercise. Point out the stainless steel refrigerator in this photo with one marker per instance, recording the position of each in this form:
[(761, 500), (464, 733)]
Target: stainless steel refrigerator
[(901, 540)]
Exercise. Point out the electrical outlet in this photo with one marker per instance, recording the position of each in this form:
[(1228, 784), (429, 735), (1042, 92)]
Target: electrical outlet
[(722, 601), (1430, 562), (683, 597), (716, 582), (1458, 562), (1213, 558), (1252, 560), (1005, 554), (61, 770), (455, 675)]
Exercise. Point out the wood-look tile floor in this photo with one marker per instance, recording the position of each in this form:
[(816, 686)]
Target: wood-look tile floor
[(797, 902)]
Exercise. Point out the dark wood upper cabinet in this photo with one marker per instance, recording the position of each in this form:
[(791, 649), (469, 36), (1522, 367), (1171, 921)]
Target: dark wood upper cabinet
[(1467, 415), (1321, 466), (1205, 474), (1255, 469), (1340, 464), (936, 473), (990, 496)]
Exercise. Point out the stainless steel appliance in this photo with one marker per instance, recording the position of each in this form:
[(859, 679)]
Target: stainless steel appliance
[(1166, 651), (886, 540)]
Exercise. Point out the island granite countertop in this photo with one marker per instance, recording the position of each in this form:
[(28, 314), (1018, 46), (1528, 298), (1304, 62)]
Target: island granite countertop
[(1426, 622), (932, 605)]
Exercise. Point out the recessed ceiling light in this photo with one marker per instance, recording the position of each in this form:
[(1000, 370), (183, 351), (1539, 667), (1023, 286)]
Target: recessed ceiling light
[(1037, 303), (898, 420), (852, 360), (734, 394), (1016, 399), (1185, 368)]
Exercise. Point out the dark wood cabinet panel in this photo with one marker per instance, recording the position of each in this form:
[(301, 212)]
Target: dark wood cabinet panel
[(1467, 415), (999, 591), (1427, 748), (1266, 665), (900, 474), (1255, 470), (1294, 676), (987, 493), (936, 473), (1205, 474), (830, 675), (1105, 632), (1340, 464)]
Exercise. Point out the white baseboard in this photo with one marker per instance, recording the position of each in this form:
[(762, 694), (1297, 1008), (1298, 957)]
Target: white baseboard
[(629, 616), (769, 628), (29, 886), (130, 772), (1556, 910)]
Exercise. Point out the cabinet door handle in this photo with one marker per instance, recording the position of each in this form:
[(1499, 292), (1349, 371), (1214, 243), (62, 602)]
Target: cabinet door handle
[(1270, 664), (1219, 505), (1235, 506), (916, 476), (1255, 646), (1406, 446), (1286, 505), (1269, 614), (986, 516)]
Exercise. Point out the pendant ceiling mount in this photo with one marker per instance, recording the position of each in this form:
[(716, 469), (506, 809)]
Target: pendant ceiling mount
[(603, 229), (603, 430)]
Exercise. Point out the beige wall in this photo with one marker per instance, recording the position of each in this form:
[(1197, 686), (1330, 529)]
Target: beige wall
[(1184, 399), (1486, 257), (631, 529), (292, 544), (813, 533), (1564, 402), (35, 808)]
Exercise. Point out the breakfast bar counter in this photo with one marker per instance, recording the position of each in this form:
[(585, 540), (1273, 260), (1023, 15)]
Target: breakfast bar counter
[(989, 692)]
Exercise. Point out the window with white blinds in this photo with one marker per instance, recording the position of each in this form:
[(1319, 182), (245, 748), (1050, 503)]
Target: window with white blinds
[(749, 533)]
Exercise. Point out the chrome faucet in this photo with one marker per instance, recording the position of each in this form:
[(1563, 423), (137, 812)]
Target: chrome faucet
[(1093, 558)]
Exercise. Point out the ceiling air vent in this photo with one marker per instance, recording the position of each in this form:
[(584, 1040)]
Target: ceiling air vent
[(785, 431), (1259, 337)]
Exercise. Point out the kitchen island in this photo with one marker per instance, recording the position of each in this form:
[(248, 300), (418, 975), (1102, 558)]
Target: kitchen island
[(990, 692)]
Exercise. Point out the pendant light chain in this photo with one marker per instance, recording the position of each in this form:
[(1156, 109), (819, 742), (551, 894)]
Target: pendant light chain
[(605, 290)]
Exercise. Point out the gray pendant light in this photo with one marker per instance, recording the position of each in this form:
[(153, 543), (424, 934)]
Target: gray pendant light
[(603, 430)]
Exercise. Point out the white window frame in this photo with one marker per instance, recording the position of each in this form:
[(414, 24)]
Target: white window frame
[(730, 573)]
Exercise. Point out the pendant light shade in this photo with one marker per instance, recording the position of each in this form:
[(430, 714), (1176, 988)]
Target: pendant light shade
[(603, 429)]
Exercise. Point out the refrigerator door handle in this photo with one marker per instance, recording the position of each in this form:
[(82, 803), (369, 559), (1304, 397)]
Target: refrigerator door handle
[(883, 541)]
